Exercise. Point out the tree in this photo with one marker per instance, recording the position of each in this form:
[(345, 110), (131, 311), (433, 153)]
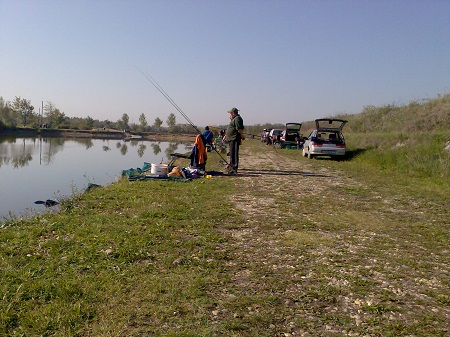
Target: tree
[(157, 124), (89, 122), (171, 121), (22, 108), (107, 124), (125, 120), (54, 115), (134, 127), (6, 114), (59, 118), (120, 124), (143, 121)]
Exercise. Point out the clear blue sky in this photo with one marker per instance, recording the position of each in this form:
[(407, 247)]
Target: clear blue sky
[(277, 61)]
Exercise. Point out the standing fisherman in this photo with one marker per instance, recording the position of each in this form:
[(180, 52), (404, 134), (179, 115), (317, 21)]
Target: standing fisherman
[(234, 136)]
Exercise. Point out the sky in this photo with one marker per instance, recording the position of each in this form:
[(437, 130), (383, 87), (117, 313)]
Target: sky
[(277, 61)]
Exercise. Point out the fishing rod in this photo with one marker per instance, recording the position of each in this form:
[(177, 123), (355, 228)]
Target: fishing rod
[(175, 105), (171, 101)]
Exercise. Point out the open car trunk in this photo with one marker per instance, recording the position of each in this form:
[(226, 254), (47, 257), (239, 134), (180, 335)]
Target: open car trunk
[(330, 124), (292, 131)]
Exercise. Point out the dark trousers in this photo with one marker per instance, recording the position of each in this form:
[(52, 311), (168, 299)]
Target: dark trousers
[(234, 154)]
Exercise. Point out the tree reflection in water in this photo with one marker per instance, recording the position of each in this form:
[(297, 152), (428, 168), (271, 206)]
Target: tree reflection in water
[(19, 151), (156, 148), (141, 150), (124, 149)]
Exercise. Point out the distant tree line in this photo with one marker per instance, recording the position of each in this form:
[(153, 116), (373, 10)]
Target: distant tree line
[(21, 113)]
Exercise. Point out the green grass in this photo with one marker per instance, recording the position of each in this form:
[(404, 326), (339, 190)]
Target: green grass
[(419, 155), (94, 263), (368, 256)]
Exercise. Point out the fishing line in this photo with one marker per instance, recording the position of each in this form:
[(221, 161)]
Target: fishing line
[(171, 101)]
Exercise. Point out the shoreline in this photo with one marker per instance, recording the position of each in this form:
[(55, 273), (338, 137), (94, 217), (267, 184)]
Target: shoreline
[(98, 134)]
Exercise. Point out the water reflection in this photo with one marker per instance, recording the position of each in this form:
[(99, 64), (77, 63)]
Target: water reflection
[(124, 149), (50, 168), (171, 149), (19, 151), (15, 152), (141, 150), (156, 148)]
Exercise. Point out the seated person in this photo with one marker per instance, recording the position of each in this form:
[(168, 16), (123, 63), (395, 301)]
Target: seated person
[(208, 136), (198, 155)]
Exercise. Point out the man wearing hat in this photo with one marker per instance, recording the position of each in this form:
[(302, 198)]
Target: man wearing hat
[(234, 136)]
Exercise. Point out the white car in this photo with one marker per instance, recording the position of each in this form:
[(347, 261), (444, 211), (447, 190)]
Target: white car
[(326, 140)]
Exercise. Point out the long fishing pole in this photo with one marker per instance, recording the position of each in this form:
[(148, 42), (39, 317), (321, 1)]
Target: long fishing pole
[(171, 101)]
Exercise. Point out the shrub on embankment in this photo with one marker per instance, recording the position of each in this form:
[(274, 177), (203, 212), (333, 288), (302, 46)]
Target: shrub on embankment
[(432, 115)]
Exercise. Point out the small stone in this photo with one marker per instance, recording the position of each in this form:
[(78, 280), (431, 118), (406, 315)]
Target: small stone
[(178, 261)]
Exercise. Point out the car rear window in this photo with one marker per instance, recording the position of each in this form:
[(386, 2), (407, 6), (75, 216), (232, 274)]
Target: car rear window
[(331, 137)]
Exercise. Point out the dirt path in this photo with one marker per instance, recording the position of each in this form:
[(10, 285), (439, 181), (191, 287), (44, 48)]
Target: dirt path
[(285, 179), (319, 244)]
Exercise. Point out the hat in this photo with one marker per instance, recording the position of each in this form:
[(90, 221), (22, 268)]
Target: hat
[(233, 110)]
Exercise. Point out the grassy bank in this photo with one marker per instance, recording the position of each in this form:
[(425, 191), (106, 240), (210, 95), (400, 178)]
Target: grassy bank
[(116, 256), (417, 155), (292, 247)]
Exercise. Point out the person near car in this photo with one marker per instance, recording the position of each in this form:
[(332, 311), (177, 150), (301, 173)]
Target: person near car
[(298, 141), (278, 138), (207, 135), (234, 137)]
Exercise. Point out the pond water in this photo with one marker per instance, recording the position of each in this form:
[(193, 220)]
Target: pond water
[(34, 169)]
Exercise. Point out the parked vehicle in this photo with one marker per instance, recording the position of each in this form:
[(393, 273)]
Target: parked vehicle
[(326, 140), (290, 135), (274, 135)]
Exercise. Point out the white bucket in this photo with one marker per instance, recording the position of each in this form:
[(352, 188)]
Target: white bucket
[(160, 169)]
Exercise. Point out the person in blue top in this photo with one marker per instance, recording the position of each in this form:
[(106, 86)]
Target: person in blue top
[(208, 136)]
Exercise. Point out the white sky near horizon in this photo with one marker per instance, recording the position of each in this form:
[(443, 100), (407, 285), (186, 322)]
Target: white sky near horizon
[(277, 61)]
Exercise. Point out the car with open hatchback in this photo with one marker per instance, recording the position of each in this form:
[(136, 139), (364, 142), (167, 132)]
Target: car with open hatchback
[(326, 140), (290, 136)]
